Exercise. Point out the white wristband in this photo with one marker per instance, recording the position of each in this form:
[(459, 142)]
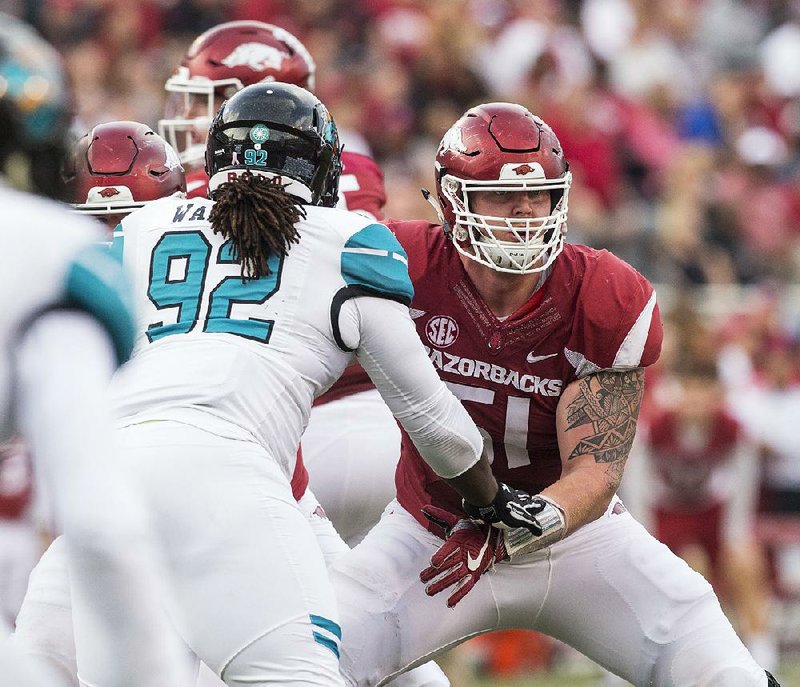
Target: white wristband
[(553, 522)]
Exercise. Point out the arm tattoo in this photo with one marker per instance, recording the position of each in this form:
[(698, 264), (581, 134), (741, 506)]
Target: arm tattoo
[(609, 402)]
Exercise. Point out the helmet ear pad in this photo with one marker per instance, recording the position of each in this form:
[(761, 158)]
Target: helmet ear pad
[(277, 130)]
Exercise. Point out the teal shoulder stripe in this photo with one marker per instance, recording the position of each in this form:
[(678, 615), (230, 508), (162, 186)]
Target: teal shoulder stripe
[(96, 283), (373, 258)]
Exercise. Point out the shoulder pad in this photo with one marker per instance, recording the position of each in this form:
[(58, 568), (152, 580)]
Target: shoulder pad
[(96, 283), (372, 258)]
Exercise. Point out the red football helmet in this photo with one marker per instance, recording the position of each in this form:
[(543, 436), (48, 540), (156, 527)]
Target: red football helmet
[(505, 148), (220, 62), (118, 167)]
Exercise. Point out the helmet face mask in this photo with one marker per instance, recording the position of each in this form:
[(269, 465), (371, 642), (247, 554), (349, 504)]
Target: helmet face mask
[(220, 62), (118, 167), (503, 148), (192, 103), (280, 131)]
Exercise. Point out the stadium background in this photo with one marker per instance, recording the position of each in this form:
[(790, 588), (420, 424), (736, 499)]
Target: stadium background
[(681, 122)]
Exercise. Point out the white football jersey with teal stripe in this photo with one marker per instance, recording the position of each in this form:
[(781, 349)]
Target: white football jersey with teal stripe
[(245, 359), (53, 260)]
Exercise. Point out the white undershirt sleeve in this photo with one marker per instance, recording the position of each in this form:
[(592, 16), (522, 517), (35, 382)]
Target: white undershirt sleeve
[(392, 354)]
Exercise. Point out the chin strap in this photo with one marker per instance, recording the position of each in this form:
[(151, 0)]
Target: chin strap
[(426, 194)]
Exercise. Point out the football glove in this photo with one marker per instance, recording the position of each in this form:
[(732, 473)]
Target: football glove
[(469, 550), (529, 523), (510, 508)]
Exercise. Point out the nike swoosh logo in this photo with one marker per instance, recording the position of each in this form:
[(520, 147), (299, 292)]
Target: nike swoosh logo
[(474, 563), (192, 185), (536, 358)]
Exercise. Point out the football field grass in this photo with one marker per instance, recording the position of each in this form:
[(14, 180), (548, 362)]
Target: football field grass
[(789, 676)]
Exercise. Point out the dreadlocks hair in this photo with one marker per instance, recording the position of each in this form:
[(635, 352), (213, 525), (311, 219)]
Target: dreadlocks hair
[(258, 216)]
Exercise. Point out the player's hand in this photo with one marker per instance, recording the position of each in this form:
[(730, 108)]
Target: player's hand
[(510, 508), (469, 550)]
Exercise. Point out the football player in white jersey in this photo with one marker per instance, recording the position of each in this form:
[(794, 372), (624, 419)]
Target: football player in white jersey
[(113, 169), (349, 422), (250, 305), (65, 323)]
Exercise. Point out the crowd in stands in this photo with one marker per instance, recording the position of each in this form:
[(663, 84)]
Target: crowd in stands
[(681, 120)]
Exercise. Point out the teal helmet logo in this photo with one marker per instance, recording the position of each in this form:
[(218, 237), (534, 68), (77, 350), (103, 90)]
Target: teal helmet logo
[(259, 134), (330, 134)]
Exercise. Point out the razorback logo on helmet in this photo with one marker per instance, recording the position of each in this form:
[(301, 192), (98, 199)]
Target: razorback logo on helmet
[(442, 331), (526, 170), (453, 140), (257, 56), (102, 194)]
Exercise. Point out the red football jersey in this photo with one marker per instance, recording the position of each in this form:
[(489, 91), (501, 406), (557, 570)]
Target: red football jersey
[(593, 312), (16, 479), (361, 184), (197, 184), (685, 467)]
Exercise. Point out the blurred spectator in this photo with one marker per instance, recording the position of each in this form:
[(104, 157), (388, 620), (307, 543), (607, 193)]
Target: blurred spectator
[(770, 411), (704, 495)]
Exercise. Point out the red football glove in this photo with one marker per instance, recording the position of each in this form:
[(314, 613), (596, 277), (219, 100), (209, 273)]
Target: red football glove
[(469, 550)]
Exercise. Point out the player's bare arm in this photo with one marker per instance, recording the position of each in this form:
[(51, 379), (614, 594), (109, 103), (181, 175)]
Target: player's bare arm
[(596, 423)]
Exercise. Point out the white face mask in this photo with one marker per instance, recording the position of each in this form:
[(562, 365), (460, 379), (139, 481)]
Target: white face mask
[(518, 245), (190, 108)]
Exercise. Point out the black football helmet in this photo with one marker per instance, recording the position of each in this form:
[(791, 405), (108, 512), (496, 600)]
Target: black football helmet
[(276, 130), (35, 106)]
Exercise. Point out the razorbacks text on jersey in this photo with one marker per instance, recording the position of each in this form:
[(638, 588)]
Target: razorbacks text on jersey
[(73, 271), (594, 312), (188, 283)]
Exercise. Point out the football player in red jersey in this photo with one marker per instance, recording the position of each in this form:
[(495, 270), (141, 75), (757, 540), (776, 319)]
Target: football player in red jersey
[(222, 61), (546, 344)]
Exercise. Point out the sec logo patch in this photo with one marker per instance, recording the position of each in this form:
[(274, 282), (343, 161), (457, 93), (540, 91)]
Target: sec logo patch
[(442, 331)]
